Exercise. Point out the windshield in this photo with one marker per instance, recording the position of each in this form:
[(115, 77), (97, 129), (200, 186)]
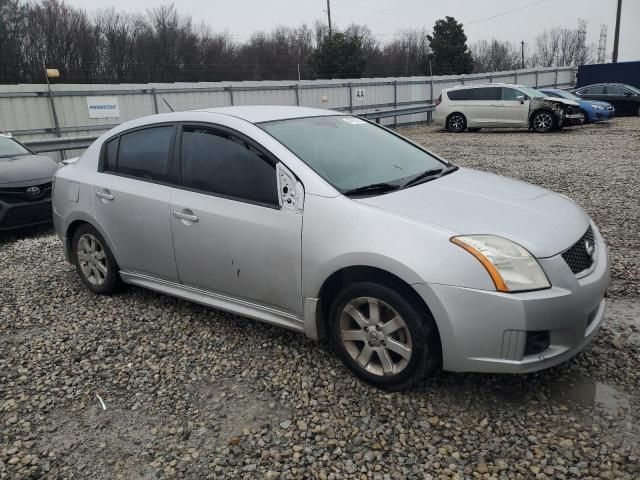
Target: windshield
[(11, 148), (531, 92), (351, 153), (567, 95), (633, 89)]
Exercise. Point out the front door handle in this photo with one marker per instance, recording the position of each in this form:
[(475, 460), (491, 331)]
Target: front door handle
[(185, 215), (104, 195)]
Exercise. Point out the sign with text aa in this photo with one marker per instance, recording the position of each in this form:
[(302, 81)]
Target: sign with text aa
[(359, 94), (103, 107)]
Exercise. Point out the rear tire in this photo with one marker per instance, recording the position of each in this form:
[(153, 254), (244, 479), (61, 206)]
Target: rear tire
[(456, 122), (94, 261), (384, 338), (543, 121)]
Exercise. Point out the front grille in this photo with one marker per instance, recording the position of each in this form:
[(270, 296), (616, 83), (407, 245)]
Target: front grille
[(20, 195), (27, 215), (576, 256)]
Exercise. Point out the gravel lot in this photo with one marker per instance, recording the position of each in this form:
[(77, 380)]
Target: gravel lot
[(193, 392)]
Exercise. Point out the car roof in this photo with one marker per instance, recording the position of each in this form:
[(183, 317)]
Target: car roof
[(482, 85), (268, 113), (603, 84)]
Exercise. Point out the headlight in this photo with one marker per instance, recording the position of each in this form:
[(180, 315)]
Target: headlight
[(511, 267), (597, 107)]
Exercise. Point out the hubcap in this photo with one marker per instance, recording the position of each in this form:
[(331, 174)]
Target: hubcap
[(92, 259), (456, 122), (543, 121), (375, 336)]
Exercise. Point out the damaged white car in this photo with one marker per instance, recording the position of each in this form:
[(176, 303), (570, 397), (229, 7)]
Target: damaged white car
[(499, 105)]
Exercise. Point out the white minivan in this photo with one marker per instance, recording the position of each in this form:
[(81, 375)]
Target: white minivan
[(498, 105)]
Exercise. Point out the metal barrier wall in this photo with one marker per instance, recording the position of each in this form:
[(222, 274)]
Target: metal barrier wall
[(34, 113)]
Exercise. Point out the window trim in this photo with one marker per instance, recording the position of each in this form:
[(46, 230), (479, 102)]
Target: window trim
[(170, 162), (272, 160)]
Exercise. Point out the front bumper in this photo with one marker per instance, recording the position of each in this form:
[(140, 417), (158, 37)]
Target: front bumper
[(486, 331), (24, 214), (601, 115)]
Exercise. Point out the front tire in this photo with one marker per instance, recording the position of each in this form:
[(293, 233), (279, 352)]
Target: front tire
[(456, 122), (543, 122), (94, 261), (384, 338)]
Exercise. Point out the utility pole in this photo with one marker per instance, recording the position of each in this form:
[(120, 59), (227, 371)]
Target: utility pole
[(522, 44), (329, 16), (602, 44), (616, 36)]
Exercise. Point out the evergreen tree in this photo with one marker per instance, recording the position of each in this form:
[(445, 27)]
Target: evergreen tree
[(341, 55), (451, 56)]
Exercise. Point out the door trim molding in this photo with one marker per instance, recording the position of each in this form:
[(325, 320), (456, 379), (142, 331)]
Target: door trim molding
[(211, 299)]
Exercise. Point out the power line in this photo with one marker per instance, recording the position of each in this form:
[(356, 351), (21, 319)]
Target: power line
[(503, 13)]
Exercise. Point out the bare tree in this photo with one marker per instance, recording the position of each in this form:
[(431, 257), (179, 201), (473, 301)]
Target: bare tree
[(494, 56), (560, 46)]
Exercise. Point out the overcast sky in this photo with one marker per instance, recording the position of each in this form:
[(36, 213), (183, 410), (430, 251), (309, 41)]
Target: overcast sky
[(239, 18)]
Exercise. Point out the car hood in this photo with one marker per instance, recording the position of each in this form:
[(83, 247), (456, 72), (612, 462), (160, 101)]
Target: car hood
[(26, 168), (473, 202), (565, 101)]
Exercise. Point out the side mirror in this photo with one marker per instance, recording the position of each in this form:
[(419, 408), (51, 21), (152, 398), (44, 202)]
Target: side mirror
[(290, 190), (521, 98)]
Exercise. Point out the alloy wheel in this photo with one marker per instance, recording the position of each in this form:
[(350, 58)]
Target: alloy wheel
[(92, 259), (375, 336), (543, 122), (456, 123)]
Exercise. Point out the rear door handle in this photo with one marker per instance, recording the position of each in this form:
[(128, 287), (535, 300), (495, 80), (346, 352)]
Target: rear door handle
[(185, 215), (104, 195)]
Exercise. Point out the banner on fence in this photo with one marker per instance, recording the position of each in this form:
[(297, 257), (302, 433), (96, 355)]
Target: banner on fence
[(103, 107)]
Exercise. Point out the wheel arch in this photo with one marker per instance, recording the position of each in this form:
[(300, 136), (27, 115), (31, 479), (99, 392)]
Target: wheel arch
[(348, 275), (73, 225)]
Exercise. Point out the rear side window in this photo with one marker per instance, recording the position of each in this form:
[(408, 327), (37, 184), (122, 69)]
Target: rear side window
[(462, 94), (489, 93), (225, 164), (597, 90), (142, 153)]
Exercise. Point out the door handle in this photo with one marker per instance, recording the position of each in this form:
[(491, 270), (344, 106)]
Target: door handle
[(104, 195), (185, 215)]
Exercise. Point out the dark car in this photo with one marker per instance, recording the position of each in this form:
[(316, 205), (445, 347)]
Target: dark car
[(624, 98), (25, 185)]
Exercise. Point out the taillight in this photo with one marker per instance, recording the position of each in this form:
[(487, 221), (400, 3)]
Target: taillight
[(438, 100)]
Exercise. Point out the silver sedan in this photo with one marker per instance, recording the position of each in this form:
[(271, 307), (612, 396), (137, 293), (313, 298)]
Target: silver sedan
[(333, 226)]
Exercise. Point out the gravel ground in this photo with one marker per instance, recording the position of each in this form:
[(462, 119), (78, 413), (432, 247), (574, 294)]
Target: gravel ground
[(192, 392)]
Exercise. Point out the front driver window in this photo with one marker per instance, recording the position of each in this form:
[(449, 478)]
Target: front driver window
[(221, 163), (511, 94)]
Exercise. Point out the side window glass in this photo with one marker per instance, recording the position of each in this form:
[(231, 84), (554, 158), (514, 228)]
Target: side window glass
[(142, 153), (593, 91), (111, 154), (462, 94), (616, 90), (489, 93), (510, 94), (221, 163)]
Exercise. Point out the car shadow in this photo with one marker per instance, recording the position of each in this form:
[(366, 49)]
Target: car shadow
[(9, 236)]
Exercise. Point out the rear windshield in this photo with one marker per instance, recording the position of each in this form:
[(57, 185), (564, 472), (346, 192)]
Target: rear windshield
[(11, 148), (349, 152)]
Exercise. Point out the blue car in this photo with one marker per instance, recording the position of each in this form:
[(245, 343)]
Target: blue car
[(593, 110)]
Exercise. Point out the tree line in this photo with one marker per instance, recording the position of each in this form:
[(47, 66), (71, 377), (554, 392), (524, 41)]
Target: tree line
[(162, 45)]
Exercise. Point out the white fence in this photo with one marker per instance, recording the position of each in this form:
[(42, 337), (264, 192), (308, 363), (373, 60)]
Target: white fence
[(33, 112)]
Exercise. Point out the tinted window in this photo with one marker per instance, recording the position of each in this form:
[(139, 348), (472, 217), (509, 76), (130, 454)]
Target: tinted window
[(111, 154), (462, 94), (617, 90), (599, 90), (511, 94), (221, 163), (490, 93), (142, 153)]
